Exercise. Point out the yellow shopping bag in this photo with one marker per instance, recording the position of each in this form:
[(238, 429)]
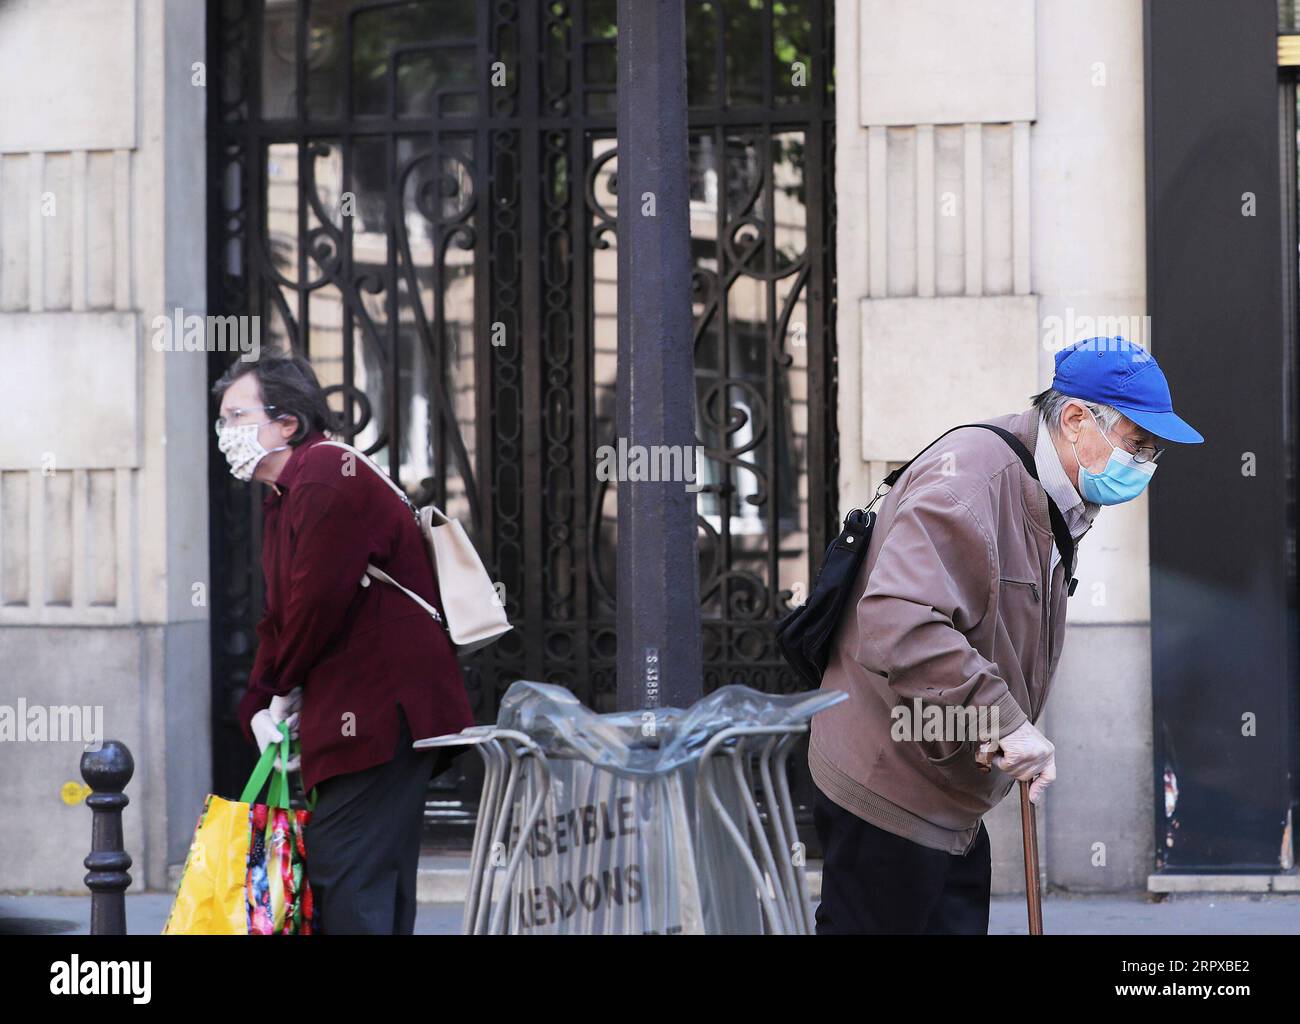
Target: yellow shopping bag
[(246, 872)]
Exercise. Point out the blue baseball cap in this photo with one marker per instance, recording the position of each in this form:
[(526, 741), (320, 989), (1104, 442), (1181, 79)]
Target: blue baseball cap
[(1124, 375)]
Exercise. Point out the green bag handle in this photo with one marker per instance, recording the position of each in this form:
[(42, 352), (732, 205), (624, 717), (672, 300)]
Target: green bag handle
[(262, 770), (277, 794)]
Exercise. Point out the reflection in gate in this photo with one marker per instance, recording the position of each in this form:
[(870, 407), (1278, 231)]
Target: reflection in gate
[(421, 196)]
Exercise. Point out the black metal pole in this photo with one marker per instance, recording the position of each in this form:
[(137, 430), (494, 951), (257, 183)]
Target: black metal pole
[(107, 771), (658, 574)]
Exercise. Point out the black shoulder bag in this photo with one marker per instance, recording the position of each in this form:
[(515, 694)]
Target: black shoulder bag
[(805, 634)]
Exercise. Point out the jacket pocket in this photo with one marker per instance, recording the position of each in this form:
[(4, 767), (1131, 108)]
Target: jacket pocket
[(1031, 586), (1021, 609), (963, 775), (945, 756), (935, 746)]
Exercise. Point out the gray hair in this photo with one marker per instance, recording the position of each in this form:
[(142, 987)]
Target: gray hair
[(1051, 404)]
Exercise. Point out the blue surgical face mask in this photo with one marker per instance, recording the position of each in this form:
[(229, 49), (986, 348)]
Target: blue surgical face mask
[(1121, 479)]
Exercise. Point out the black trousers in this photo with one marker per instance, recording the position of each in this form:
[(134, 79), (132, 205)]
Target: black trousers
[(363, 843), (877, 883)]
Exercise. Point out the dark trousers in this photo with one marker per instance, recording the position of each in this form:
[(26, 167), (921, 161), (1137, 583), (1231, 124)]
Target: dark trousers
[(363, 843), (877, 883)]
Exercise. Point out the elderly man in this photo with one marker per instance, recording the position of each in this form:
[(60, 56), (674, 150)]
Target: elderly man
[(961, 602)]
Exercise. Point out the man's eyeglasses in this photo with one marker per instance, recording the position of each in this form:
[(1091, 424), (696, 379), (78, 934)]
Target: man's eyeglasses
[(235, 414), (1146, 453)]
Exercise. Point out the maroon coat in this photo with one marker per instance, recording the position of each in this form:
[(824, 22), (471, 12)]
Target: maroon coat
[(356, 651)]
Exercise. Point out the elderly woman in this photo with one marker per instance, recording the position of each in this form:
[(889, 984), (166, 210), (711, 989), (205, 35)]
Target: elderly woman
[(358, 670)]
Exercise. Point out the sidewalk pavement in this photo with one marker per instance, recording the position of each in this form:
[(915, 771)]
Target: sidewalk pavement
[(1135, 914)]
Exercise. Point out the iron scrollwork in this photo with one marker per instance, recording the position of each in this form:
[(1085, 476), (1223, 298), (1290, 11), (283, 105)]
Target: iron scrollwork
[(463, 314)]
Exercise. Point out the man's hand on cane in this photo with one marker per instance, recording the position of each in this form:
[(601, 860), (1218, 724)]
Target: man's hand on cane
[(1026, 754)]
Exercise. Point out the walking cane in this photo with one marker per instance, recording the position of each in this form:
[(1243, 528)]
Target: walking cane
[(1029, 830), (1029, 827)]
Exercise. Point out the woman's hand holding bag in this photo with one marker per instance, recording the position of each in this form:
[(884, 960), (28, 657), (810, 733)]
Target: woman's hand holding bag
[(265, 725), (246, 872)]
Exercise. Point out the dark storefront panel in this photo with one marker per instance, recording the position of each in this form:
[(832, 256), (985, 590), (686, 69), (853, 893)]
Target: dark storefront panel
[(1220, 595)]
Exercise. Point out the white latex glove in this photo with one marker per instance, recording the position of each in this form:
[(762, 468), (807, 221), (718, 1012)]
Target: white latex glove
[(286, 709), (266, 732), (1027, 755), (264, 729)]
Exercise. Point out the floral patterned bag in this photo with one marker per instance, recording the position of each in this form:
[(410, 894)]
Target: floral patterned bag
[(246, 872)]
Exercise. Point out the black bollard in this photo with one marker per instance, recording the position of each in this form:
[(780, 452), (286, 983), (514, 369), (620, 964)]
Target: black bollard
[(107, 771)]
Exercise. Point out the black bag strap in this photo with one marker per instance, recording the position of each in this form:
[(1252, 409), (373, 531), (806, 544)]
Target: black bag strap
[(1061, 532)]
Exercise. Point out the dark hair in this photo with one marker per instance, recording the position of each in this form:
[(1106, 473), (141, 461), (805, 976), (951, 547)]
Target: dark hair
[(288, 383)]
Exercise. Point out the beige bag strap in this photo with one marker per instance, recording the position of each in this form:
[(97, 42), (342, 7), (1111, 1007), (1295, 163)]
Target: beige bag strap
[(379, 574), (442, 516), (373, 570)]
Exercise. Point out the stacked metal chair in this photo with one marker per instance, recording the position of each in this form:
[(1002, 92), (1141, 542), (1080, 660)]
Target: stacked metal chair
[(732, 763)]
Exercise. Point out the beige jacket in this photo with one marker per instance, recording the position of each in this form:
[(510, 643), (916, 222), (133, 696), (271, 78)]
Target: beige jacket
[(955, 605)]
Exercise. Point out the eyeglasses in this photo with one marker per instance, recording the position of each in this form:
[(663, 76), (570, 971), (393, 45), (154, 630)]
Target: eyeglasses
[(1144, 454), (1147, 453), (224, 421)]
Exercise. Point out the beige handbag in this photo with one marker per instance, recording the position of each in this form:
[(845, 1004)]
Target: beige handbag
[(476, 615)]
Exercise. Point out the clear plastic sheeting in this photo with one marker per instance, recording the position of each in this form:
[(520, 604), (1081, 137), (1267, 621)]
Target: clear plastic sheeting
[(607, 855), (658, 821)]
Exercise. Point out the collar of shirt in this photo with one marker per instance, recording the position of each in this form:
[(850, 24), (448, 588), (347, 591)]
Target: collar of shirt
[(1051, 474), (291, 468)]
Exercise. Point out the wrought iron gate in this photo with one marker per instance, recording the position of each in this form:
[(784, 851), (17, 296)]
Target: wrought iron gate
[(420, 195)]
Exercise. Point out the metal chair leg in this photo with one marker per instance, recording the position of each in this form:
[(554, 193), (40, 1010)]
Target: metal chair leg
[(705, 780), (538, 759)]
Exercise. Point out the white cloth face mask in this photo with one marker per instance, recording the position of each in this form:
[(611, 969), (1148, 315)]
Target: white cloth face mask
[(242, 449)]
